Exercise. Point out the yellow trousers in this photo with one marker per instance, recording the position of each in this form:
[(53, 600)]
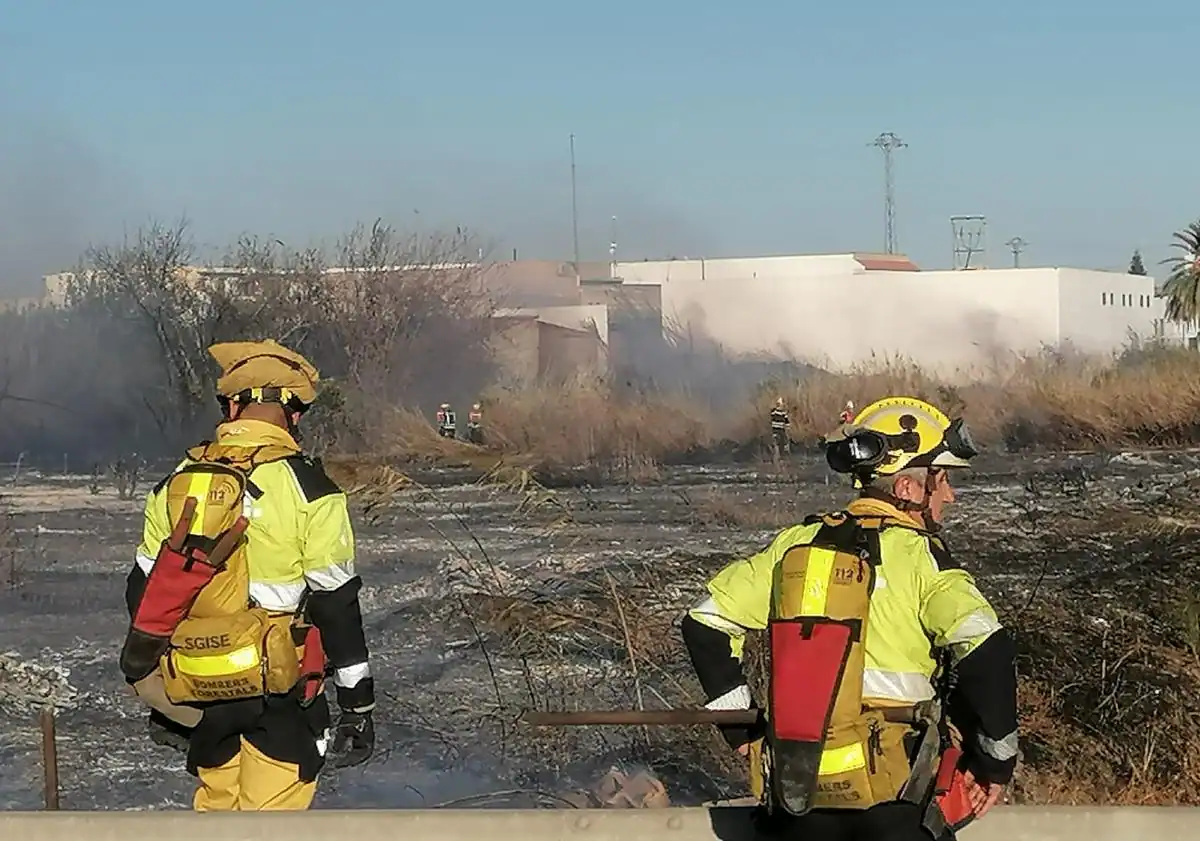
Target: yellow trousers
[(252, 782)]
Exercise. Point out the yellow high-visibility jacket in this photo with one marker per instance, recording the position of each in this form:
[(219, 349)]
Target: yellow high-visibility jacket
[(921, 603), (299, 539)]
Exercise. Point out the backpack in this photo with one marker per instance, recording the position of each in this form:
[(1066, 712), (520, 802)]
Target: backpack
[(196, 622)]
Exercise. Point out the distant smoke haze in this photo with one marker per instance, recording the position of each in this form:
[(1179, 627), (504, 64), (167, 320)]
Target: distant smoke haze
[(56, 196)]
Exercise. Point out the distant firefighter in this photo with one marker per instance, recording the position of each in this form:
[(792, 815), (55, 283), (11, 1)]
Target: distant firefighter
[(475, 424), (446, 421), (779, 429), (847, 414)]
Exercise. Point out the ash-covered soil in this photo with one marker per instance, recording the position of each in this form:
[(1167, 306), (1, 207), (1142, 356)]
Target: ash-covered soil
[(483, 599)]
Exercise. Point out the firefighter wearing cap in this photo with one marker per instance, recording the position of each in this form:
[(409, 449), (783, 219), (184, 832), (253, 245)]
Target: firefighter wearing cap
[(780, 420), (866, 615), (265, 752)]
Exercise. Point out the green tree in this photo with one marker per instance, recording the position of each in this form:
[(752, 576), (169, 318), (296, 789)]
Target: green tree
[(1182, 286), (1136, 266)]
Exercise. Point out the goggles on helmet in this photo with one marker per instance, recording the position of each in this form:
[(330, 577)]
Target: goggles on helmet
[(958, 441), (866, 449)]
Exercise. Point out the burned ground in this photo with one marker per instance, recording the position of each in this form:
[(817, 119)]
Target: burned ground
[(484, 598)]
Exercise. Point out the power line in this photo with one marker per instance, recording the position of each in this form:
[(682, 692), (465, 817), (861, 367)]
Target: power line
[(889, 143)]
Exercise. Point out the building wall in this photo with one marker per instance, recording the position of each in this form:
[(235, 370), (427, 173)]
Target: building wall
[(536, 283), (737, 268), (576, 317), (832, 311), (514, 350), (972, 320), (564, 353), (623, 300), (635, 329), (586, 318), (1099, 309), (528, 350)]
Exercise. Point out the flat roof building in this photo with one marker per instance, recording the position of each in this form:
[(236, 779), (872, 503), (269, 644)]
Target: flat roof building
[(839, 310)]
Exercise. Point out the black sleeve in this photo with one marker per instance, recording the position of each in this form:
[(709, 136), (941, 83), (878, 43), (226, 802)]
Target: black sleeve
[(718, 671), (135, 586), (984, 707), (338, 616)]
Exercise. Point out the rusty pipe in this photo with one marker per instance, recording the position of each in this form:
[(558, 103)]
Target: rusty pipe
[(679, 717), (49, 759)]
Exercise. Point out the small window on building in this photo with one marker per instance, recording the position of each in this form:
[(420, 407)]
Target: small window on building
[(1103, 297)]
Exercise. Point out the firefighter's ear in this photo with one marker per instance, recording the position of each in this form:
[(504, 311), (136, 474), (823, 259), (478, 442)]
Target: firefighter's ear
[(908, 489)]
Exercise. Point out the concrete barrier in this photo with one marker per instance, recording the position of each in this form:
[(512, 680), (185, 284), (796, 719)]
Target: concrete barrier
[(1014, 823)]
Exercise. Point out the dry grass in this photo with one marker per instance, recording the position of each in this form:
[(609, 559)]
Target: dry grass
[(589, 423), (728, 509), (1145, 397), (1120, 730), (1109, 683)]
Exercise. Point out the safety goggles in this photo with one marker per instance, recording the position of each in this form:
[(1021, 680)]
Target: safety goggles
[(865, 449), (958, 440)]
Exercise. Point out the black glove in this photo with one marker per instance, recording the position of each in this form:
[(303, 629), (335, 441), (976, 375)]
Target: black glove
[(354, 739), (739, 735)]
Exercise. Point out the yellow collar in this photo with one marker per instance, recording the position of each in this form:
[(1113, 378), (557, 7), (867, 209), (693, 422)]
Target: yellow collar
[(254, 433), (871, 507)]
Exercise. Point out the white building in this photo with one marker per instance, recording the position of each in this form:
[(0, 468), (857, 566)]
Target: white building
[(840, 310)]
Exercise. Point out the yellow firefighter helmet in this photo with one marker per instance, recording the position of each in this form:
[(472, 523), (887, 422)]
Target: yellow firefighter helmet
[(897, 433)]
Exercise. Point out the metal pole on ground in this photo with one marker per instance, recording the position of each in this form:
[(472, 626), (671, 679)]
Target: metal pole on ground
[(49, 759)]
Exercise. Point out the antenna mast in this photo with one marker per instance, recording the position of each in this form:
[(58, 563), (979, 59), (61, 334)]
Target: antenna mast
[(1016, 245), (574, 212), (889, 143), (970, 239), (612, 250)]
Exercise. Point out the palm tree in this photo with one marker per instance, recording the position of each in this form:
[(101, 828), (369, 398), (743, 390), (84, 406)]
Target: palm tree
[(1182, 286)]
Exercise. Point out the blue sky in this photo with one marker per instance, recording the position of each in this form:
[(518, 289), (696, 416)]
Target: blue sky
[(707, 128)]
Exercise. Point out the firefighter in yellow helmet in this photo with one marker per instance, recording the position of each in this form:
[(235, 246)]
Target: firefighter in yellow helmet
[(866, 615), (244, 596)]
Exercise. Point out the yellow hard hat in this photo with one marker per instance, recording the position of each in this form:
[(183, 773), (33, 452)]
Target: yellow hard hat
[(264, 372), (897, 433)]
